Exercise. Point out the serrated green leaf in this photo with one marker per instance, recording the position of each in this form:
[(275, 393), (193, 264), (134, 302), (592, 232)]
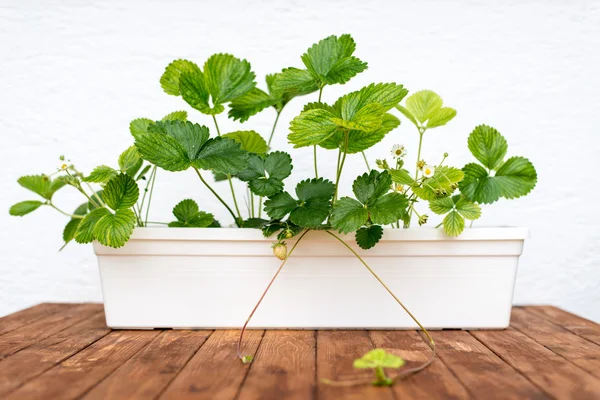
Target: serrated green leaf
[(441, 117), (121, 192), (170, 78), (516, 177), (101, 174), (189, 215), (254, 223), (227, 77), (280, 205), (264, 187), (348, 215), (251, 104), (366, 119), (488, 146), (467, 209), (195, 92), (176, 116), (442, 206), (441, 184), (265, 177), (402, 177), (423, 104), (42, 185), (139, 127), (311, 213), (311, 128), (190, 136), (292, 82), (315, 188), (478, 186), (222, 155), (344, 70), (25, 207), (185, 210), (370, 186), (388, 208), (249, 141), (360, 141), (454, 224), (368, 237), (71, 229), (378, 358), (278, 165), (114, 230), (129, 160), (407, 114), (387, 95), (163, 151), (85, 230), (255, 169)]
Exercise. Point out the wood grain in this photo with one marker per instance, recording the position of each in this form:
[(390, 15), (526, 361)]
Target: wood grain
[(29, 315), (483, 373), (565, 343), (437, 381), (284, 367), (75, 376), (153, 368), (215, 372), (39, 357), (45, 327), (547, 370), (574, 323), (336, 351)]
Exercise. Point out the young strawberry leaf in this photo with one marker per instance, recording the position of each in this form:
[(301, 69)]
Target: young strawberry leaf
[(488, 146), (221, 155), (188, 215), (25, 207), (130, 161), (85, 230), (249, 141), (72, 226), (121, 192), (170, 78), (378, 359), (251, 104), (368, 236), (458, 209), (42, 185), (265, 176), (114, 230), (292, 82), (139, 127), (454, 223), (176, 116), (101, 174)]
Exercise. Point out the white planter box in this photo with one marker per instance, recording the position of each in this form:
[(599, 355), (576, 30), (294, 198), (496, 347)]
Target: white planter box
[(211, 278)]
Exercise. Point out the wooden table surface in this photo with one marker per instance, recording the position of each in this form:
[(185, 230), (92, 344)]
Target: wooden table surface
[(65, 351)]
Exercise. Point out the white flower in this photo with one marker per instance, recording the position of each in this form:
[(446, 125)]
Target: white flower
[(63, 167), (398, 151), (428, 171)]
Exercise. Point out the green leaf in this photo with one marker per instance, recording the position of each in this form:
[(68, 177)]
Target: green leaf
[(101, 174), (25, 207), (422, 105), (402, 177), (114, 230), (121, 192), (442, 206), (42, 185), (387, 95), (143, 172), (254, 223), (378, 358), (330, 60), (454, 224), (227, 77), (249, 141), (367, 118), (71, 229), (222, 155), (478, 186), (488, 146), (292, 82), (370, 186), (443, 183), (265, 177), (176, 116), (311, 213), (457, 203), (85, 230), (189, 135), (189, 215), (516, 177), (311, 127), (368, 237), (278, 165), (163, 151), (441, 117), (139, 127), (250, 104), (280, 205), (388, 208), (360, 141), (194, 91), (407, 114), (348, 215), (170, 78), (264, 187), (310, 189), (129, 160)]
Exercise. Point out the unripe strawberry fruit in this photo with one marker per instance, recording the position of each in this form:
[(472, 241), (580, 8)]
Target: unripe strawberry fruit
[(280, 250)]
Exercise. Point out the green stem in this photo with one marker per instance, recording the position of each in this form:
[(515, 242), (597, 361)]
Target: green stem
[(216, 125), (252, 204), (141, 206), (150, 196), (65, 213), (366, 162), (239, 344), (237, 222), (88, 197), (273, 130), (339, 172), (157, 223), (237, 208), (421, 132), (315, 146)]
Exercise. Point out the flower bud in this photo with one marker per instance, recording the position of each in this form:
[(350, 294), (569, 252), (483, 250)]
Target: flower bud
[(423, 219)]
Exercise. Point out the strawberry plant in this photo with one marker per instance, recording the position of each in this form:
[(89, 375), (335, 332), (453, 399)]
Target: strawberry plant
[(395, 193)]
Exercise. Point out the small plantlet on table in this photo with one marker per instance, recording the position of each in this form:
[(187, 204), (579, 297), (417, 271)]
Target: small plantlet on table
[(377, 360)]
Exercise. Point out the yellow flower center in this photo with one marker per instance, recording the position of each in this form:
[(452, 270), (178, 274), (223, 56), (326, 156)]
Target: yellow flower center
[(398, 152), (64, 166), (427, 171)]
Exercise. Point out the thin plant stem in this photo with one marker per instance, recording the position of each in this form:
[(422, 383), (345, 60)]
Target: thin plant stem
[(421, 132), (260, 202), (141, 206), (366, 162), (273, 129), (339, 172), (431, 341), (88, 197), (239, 344), (150, 196), (95, 194), (237, 222), (315, 146), (157, 223), (65, 213), (216, 125)]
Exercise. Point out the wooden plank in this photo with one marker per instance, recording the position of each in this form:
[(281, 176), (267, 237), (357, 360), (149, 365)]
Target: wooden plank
[(32, 361), (484, 374), (215, 372), (437, 381), (547, 370), (153, 368), (565, 343), (29, 315), (574, 323), (43, 328), (75, 376), (284, 367), (336, 351)]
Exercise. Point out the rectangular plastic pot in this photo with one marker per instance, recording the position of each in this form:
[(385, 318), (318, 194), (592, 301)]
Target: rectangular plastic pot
[(211, 278)]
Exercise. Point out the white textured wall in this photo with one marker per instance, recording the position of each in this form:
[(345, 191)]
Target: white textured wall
[(72, 77)]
